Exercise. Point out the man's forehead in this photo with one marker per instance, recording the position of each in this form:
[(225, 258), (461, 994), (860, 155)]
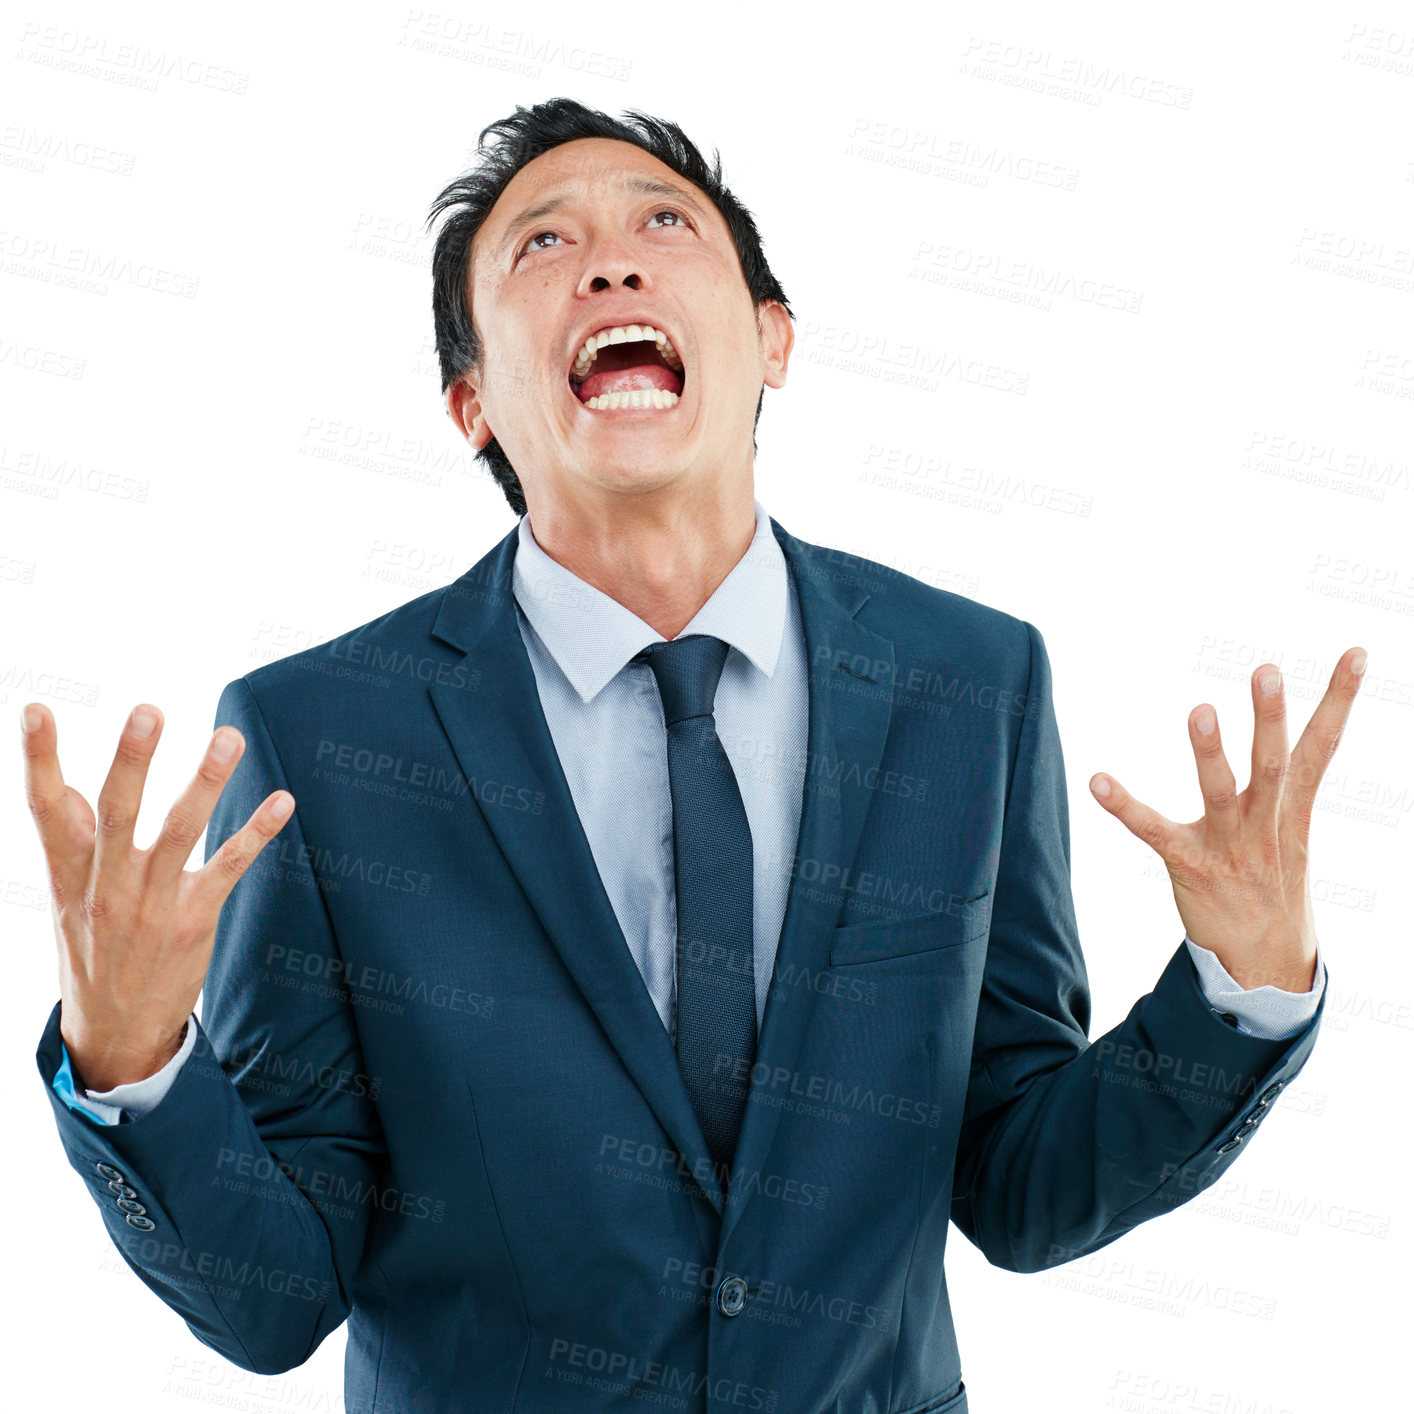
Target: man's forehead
[(571, 171), (594, 159)]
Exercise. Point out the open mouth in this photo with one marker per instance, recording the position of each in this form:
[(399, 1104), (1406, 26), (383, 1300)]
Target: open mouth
[(627, 366)]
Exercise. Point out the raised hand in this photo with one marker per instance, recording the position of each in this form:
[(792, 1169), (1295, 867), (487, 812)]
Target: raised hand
[(135, 929), (1239, 874)]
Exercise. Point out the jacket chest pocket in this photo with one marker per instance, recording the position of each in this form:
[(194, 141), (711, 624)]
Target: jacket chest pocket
[(880, 939)]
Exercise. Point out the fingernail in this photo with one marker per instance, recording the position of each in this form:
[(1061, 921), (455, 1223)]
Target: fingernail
[(1269, 681), (144, 722), (1357, 663), (31, 719), (1205, 721), (1100, 786), (223, 745)]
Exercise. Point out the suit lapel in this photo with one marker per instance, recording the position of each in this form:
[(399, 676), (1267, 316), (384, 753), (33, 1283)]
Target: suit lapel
[(851, 699), (500, 733)]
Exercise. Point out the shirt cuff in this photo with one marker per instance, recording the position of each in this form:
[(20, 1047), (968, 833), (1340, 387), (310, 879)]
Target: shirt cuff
[(1267, 1012), (137, 1097), (64, 1088)]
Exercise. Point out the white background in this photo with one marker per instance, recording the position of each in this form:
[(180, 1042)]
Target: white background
[(231, 445)]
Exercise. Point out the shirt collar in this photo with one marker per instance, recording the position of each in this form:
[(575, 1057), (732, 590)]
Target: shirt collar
[(591, 636)]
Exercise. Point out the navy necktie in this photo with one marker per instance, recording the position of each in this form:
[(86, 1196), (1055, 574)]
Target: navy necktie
[(712, 859)]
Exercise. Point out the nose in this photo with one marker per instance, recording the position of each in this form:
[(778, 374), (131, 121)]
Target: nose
[(601, 282), (609, 265)]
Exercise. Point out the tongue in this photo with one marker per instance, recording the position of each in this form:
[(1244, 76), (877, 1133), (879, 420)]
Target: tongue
[(627, 380)]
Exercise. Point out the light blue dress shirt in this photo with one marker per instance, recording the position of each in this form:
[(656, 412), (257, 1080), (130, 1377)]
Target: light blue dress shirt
[(606, 720)]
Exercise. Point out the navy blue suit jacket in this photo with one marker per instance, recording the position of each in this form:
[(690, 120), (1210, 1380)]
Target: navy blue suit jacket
[(431, 1094)]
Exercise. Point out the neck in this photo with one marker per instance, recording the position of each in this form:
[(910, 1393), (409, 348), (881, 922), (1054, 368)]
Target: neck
[(660, 560)]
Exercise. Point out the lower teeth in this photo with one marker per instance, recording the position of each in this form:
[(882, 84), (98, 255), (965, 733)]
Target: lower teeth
[(638, 398)]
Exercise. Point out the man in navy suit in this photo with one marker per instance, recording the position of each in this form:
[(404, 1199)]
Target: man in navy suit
[(669, 931)]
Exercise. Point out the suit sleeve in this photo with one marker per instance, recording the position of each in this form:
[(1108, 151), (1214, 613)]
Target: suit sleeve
[(1067, 1144), (242, 1199)]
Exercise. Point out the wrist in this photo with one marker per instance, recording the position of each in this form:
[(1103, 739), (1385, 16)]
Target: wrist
[(99, 1062), (1298, 976)]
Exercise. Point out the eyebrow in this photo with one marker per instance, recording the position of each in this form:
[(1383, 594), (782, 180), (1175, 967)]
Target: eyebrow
[(637, 186)]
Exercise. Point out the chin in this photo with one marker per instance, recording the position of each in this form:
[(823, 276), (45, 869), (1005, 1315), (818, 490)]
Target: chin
[(634, 471)]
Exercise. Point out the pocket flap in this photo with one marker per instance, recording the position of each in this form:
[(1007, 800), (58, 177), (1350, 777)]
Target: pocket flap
[(961, 921)]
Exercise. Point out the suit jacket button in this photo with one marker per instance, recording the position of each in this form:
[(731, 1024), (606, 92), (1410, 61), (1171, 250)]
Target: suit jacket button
[(1270, 1093), (1230, 1145), (142, 1224), (731, 1296), (108, 1171), (128, 1206), (122, 1190)]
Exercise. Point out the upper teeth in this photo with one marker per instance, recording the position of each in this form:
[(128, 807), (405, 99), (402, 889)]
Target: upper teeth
[(623, 334)]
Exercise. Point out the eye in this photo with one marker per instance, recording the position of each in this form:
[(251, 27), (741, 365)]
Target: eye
[(668, 211), (530, 244)]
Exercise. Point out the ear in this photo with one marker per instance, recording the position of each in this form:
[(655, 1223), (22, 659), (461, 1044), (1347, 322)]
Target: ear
[(777, 341), (464, 408)]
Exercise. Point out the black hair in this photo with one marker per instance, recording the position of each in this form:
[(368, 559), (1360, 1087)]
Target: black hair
[(519, 139)]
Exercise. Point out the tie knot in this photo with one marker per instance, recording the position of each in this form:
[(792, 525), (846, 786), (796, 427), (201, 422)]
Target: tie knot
[(687, 670)]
